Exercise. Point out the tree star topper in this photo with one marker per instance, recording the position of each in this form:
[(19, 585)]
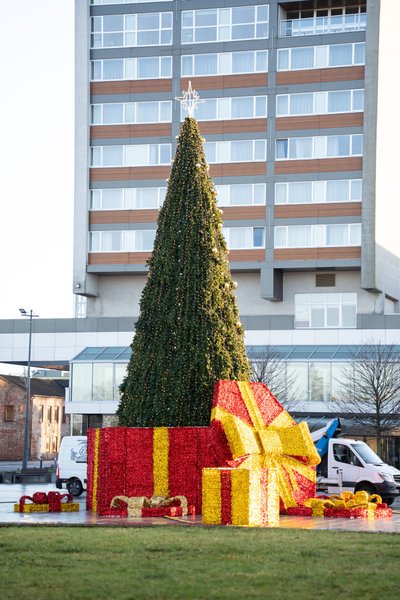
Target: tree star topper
[(189, 100)]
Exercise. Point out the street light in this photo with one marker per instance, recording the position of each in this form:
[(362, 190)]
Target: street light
[(30, 314)]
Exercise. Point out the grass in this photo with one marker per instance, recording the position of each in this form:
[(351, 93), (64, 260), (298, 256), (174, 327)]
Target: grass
[(195, 563)]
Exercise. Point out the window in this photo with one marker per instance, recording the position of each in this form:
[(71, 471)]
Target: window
[(41, 414), (142, 29), (131, 156), (224, 24), (317, 236), (49, 414), (321, 57), (330, 310), (304, 192), (149, 67), (241, 194), (128, 198), (57, 414), (224, 63), (235, 151), (327, 20), (241, 107), (244, 237), (96, 381), (138, 240), (131, 112), (328, 146), (102, 382), (312, 103), (9, 412)]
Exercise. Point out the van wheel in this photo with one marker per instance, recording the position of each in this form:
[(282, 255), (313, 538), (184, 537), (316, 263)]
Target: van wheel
[(388, 501), (365, 487), (75, 487)]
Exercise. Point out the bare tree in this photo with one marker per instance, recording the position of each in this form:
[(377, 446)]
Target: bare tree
[(270, 368), (369, 389)]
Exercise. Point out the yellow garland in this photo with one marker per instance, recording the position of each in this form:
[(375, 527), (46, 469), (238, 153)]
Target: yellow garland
[(347, 500), (95, 469), (42, 508), (160, 461)]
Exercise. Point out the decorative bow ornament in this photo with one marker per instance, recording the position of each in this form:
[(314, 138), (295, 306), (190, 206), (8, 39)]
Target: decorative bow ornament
[(135, 504)]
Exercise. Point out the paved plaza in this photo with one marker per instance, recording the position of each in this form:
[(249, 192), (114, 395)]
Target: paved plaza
[(11, 493)]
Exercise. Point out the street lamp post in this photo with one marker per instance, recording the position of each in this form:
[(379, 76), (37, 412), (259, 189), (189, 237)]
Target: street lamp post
[(29, 314)]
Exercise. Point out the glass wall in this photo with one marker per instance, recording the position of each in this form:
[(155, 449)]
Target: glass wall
[(98, 382)]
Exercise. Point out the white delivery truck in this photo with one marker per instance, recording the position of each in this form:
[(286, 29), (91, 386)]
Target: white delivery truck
[(351, 465), (71, 466)]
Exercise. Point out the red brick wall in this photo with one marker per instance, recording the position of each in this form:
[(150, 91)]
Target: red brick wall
[(12, 433)]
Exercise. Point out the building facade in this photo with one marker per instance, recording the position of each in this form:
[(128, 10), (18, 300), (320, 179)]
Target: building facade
[(48, 422)]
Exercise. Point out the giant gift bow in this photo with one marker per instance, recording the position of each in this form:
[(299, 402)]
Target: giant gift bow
[(261, 434)]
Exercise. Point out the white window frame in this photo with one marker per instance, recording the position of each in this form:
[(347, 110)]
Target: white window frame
[(127, 236), (129, 198), (321, 57), (223, 108), (223, 150), (130, 31), (130, 68), (145, 153), (131, 106), (223, 26), (323, 302), (250, 195), (319, 146), (320, 103), (226, 231), (224, 63), (329, 23), (318, 191), (318, 235)]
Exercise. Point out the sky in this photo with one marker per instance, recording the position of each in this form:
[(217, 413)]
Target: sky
[(36, 157)]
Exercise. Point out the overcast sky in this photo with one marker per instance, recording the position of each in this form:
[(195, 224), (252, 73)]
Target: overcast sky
[(36, 156)]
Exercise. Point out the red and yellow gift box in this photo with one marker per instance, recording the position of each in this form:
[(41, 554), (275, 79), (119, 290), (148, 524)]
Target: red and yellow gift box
[(245, 497), (252, 430), (141, 461)]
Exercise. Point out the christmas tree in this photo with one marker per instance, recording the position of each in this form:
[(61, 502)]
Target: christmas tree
[(188, 335)]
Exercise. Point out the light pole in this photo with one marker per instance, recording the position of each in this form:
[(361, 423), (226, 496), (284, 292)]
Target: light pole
[(29, 314)]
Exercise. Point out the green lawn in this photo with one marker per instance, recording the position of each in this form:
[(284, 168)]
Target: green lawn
[(183, 563)]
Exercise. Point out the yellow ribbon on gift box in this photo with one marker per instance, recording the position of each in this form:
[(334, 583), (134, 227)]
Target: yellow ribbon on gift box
[(272, 446)]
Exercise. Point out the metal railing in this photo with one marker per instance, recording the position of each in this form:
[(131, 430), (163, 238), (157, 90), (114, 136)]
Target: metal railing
[(318, 25)]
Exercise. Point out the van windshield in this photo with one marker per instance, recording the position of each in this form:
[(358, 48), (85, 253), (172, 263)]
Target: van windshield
[(368, 455)]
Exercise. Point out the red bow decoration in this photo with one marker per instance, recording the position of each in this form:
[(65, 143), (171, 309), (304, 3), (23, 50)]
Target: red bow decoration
[(53, 499)]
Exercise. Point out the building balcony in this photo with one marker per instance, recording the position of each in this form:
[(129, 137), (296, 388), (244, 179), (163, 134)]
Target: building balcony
[(319, 25)]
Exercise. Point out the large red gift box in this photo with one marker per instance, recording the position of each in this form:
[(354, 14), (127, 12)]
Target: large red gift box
[(140, 461)]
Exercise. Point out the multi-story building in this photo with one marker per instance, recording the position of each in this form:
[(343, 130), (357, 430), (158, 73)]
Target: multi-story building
[(300, 118)]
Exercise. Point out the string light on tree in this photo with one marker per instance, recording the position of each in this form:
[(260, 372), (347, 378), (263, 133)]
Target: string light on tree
[(188, 335)]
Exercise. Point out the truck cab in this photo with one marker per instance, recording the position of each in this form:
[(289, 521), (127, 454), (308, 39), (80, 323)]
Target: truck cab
[(353, 466)]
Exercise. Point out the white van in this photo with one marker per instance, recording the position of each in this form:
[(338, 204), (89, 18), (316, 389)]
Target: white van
[(72, 464)]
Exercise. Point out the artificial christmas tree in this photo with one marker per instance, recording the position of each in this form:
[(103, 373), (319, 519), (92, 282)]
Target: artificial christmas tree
[(188, 335)]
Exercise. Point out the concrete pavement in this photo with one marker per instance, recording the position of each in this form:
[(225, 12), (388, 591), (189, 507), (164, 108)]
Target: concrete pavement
[(11, 493)]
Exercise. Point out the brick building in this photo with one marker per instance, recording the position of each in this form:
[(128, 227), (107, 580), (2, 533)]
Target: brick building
[(47, 423)]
